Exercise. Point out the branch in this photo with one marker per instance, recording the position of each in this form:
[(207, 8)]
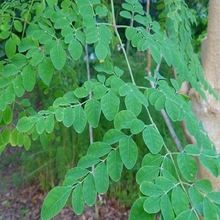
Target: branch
[(91, 136), (163, 112)]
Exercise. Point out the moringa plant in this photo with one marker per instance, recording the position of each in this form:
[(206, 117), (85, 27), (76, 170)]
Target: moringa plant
[(45, 36)]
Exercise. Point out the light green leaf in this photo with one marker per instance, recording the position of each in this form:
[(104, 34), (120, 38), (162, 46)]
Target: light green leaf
[(101, 51), (132, 104), (166, 208), (93, 112), (7, 115), (74, 175), (128, 152), (75, 49), (18, 86), (101, 178), (18, 26), (110, 105), (214, 197), (69, 117), (126, 14), (49, 122), (55, 201), (150, 189), (152, 139), (123, 119), (210, 210), (89, 191), (80, 119), (41, 125), (58, 56), (46, 71), (147, 173), (179, 200), (113, 136), (137, 211), (77, 200), (25, 124), (114, 165), (152, 205), (10, 47), (137, 126), (187, 215), (187, 166), (88, 161), (29, 78), (98, 149)]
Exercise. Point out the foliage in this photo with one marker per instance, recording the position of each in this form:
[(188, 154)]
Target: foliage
[(51, 35)]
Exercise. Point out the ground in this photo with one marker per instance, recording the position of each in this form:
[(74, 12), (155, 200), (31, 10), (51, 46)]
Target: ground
[(22, 201)]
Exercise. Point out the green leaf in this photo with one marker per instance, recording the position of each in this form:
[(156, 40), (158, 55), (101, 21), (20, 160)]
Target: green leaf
[(147, 173), (41, 125), (110, 105), (152, 139), (46, 71), (69, 117), (203, 185), (196, 198), (128, 152), (25, 124), (152, 205), (49, 122), (137, 126), (74, 175), (18, 26), (88, 161), (29, 78), (75, 49), (114, 165), (137, 211), (179, 200), (58, 56), (10, 47), (187, 166), (166, 208), (101, 178), (89, 191), (113, 136), (77, 200), (123, 119), (126, 14), (81, 92), (150, 189), (98, 149), (101, 51), (93, 112), (7, 115), (152, 160), (80, 119), (173, 110), (132, 104), (18, 86), (187, 215), (55, 201), (214, 197), (210, 210)]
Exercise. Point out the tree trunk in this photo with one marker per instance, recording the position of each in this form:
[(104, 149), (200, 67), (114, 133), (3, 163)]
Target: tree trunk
[(209, 112)]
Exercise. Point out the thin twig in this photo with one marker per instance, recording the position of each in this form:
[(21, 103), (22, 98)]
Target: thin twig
[(91, 137), (120, 41)]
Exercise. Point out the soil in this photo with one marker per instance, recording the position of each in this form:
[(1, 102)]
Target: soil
[(22, 201)]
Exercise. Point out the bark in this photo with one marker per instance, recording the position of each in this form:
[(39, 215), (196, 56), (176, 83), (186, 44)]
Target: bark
[(209, 112)]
